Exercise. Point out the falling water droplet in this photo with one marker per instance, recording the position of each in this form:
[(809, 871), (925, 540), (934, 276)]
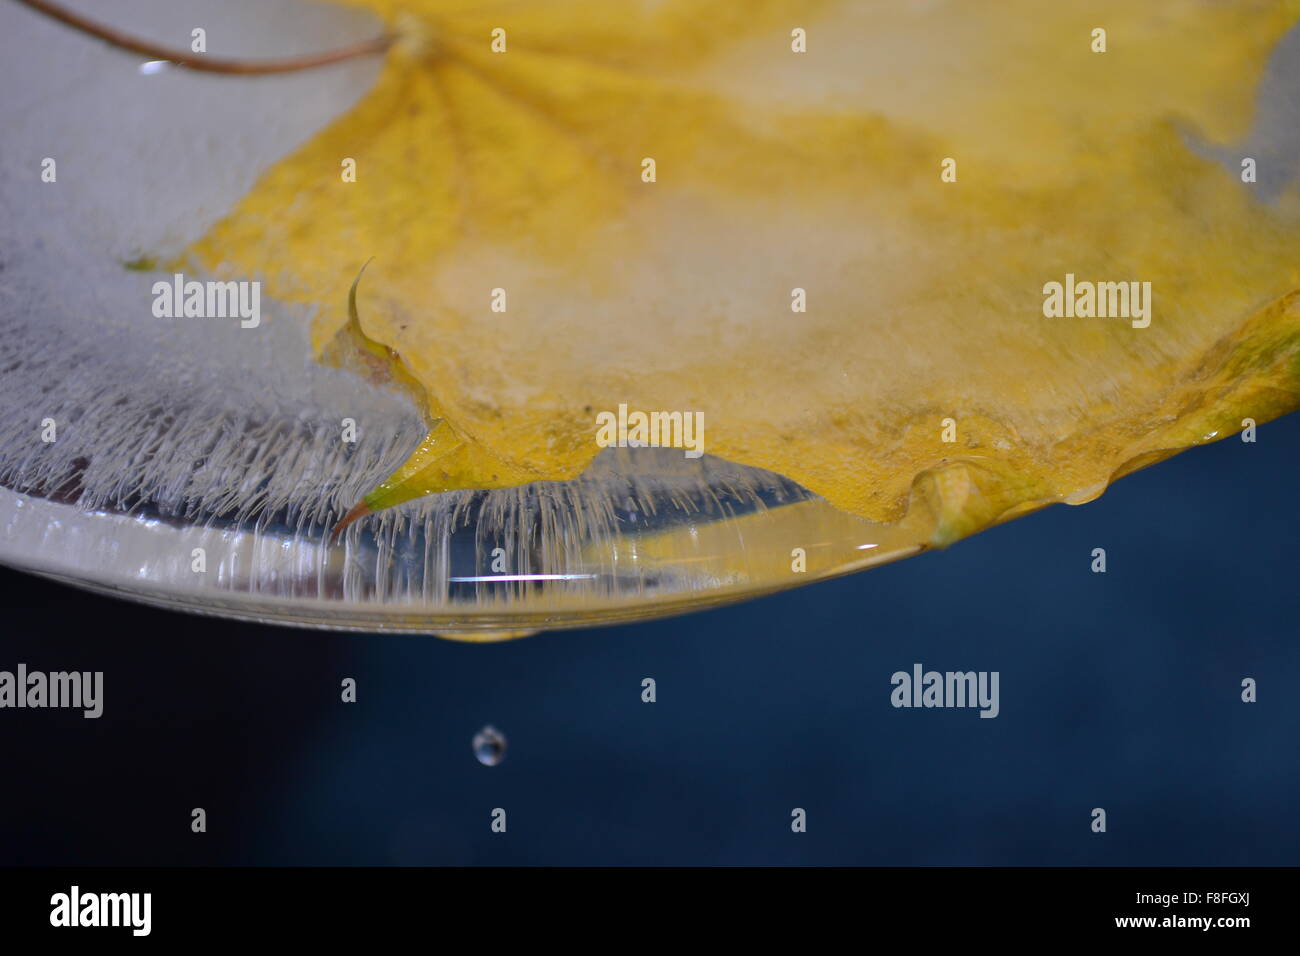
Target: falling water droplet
[(490, 746)]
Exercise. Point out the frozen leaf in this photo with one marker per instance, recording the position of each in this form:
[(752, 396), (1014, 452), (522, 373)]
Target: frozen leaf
[(520, 172)]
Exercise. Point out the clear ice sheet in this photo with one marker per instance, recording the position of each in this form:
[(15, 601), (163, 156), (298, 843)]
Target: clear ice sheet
[(175, 434)]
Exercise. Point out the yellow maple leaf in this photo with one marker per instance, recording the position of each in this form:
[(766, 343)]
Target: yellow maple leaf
[(922, 173)]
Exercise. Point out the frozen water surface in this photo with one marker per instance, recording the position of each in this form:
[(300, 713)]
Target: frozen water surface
[(199, 464)]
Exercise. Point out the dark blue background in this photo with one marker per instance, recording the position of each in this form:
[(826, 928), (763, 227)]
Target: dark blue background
[(1119, 690)]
